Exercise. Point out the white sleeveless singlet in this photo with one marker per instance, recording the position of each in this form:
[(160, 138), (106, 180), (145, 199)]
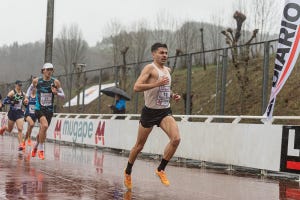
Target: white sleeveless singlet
[(159, 97)]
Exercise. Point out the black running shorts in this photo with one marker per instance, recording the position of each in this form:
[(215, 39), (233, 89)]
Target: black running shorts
[(14, 115), (32, 116), (40, 113), (151, 117)]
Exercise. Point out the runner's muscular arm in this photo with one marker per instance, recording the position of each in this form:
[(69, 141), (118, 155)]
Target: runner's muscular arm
[(11, 93), (141, 83)]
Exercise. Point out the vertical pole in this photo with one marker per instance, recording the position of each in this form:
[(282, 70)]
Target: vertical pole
[(78, 83), (217, 84), (188, 86), (99, 99), (83, 91), (49, 31), (70, 89), (223, 84), (117, 81), (203, 53), (265, 76)]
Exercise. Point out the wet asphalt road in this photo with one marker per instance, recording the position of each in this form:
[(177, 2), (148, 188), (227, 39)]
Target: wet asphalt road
[(86, 173)]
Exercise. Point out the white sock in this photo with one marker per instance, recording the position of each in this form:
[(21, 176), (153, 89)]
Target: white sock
[(41, 147)]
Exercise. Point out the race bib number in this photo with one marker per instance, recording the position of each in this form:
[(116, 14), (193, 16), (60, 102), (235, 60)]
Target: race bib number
[(46, 99), (18, 105), (31, 109), (163, 97)]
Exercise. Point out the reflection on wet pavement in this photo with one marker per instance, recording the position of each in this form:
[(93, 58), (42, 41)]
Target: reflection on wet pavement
[(85, 173)]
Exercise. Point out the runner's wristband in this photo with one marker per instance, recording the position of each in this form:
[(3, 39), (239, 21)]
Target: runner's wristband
[(7, 100)]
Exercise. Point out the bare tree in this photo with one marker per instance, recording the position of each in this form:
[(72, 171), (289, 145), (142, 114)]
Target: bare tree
[(263, 17), (70, 48), (215, 40), (23, 60), (162, 25), (240, 61), (120, 42), (123, 45), (178, 52), (124, 68), (163, 28), (14, 57), (140, 41), (232, 38), (126, 46), (113, 29), (188, 38)]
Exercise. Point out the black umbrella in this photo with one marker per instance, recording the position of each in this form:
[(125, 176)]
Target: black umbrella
[(112, 91)]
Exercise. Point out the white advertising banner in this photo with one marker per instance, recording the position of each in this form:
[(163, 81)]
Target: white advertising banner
[(103, 133), (287, 51), (249, 145)]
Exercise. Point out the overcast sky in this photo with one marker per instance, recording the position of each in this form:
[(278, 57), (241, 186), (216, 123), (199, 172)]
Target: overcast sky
[(25, 20)]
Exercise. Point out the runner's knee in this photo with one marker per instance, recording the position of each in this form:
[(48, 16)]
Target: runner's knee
[(9, 129), (31, 125), (175, 141), (44, 126)]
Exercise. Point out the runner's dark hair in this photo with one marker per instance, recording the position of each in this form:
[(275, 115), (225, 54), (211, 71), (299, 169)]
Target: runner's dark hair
[(157, 45)]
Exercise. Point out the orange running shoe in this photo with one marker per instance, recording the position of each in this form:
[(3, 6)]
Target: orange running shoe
[(128, 195), (2, 130), (33, 152), (127, 181), (41, 155), (29, 143), (163, 177)]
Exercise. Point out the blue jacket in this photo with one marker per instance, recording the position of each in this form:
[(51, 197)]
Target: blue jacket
[(120, 107)]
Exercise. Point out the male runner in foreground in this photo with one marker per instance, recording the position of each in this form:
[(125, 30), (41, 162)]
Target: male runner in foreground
[(155, 82)]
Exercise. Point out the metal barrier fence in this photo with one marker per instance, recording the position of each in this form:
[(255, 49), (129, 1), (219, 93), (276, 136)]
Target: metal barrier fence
[(236, 81)]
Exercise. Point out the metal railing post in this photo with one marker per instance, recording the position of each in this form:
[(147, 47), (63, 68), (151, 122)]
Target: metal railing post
[(49, 31), (70, 89), (265, 77), (188, 85), (83, 91), (99, 99), (224, 77)]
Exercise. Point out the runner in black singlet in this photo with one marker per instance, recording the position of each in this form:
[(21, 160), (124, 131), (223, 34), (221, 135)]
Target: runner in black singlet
[(46, 88), (16, 98)]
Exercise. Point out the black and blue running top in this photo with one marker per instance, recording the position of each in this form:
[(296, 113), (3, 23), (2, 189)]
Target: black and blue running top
[(44, 96), (17, 101), (30, 108)]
